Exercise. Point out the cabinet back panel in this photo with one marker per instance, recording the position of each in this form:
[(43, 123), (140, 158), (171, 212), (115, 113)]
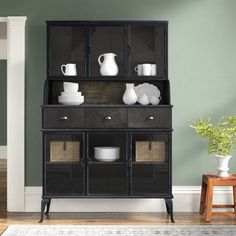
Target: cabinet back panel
[(66, 45), (106, 40)]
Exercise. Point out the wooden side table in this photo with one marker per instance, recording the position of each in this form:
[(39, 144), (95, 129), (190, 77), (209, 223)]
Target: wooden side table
[(208, 182)]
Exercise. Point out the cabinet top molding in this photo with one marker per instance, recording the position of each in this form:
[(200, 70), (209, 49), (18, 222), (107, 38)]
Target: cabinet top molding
[(105, 22)]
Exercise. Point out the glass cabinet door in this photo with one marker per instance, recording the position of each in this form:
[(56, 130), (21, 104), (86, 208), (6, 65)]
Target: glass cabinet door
[(66, 44), (106, 169), (148, 45), (150, 163), (106, 39), (64, 164)]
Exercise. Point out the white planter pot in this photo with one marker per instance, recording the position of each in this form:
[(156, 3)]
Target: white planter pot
[(223, 168)]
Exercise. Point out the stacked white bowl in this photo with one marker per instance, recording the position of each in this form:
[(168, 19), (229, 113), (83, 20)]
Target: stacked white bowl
[(71, 96)]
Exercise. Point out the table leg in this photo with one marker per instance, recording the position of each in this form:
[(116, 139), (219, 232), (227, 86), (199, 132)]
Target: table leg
[(209, 196), (203, 198)]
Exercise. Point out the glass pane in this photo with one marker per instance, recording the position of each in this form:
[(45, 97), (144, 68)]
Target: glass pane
[(150, 163), (107, 179), (105, 39), (149, 179), (148, 46), (64, 171), (66, 45), (107, 163)]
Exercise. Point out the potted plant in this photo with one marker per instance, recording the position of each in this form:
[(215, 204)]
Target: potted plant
[(221, 139)]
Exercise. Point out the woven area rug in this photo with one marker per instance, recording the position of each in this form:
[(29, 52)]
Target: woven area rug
[(108, 230)]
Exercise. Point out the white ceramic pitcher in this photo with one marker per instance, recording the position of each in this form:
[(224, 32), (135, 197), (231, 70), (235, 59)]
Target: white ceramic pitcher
[(108, 67)]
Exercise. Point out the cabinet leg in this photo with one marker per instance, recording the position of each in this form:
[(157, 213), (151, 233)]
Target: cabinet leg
[(44, 202), (48, 206), (169, 209)]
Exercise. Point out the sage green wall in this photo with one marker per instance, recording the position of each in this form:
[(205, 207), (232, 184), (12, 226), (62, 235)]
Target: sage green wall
[(202, 67), (3, 102)]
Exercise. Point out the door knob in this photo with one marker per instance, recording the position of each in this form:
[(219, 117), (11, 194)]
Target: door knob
[(150, 118), (64, 118), (107, 117)]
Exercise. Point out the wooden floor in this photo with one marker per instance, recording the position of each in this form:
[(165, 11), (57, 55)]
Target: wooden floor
[(7, 219)]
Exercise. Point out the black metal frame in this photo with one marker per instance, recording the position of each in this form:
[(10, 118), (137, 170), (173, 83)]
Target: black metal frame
[(46, 198)]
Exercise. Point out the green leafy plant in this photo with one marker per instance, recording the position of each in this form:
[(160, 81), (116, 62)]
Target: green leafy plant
[(221, 138)]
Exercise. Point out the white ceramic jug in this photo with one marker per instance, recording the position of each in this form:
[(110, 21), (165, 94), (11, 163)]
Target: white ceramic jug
[(130, 97), (69, 69), (108, 67)]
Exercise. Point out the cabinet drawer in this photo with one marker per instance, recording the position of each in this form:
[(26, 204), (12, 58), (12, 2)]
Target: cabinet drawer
[(106, 118), (149, 117), (63, 117)]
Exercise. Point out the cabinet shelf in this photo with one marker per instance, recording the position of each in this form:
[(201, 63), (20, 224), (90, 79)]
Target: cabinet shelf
[(106, 105), (108, 78), (63, 163), (107, 163), (150, 163)]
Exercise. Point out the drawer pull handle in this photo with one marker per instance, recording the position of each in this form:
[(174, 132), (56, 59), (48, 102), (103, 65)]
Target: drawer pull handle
[(107, 117), (64, 118), (150, 118)]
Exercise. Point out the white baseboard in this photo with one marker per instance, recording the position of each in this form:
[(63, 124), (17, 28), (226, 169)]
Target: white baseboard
[(186, 199), (3, 152)]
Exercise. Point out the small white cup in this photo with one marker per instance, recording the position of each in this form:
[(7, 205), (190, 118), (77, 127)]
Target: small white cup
[(139, 69), (70, 87), (69, 69), (154, 69), (147, 69)]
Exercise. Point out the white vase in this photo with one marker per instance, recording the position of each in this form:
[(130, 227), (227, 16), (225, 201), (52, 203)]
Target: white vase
[(223, 168), (130, 97)]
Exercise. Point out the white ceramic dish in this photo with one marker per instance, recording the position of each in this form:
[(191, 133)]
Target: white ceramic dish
[(70, 87), (71, 98), (75, 101), (70, 94), (106, 154), (71, 103), (149, 90)]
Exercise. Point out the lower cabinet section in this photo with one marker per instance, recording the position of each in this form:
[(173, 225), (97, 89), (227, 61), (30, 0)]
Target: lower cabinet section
[(109, 164), (64, 179), (149, 180), (107, 179)]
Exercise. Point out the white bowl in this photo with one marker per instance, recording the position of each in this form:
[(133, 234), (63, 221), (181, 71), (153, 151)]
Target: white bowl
[(70, 94), (70, 87), (68, 101), (106, 154)]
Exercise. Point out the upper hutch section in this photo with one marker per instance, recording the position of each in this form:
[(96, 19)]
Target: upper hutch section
[(81, 42)]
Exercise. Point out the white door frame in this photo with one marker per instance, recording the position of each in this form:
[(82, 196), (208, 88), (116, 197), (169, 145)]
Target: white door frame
[(15, 112)]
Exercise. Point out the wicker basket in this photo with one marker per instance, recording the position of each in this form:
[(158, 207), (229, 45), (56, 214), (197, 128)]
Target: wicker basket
[(150, 151), (64, 151)]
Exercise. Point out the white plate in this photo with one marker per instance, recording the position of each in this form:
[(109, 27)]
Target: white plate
[(70, 103), (65, 94), (107, 159), (149, 89), (71, 98), (66, 101)]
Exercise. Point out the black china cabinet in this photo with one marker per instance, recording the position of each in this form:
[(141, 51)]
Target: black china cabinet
[(143, 133)]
